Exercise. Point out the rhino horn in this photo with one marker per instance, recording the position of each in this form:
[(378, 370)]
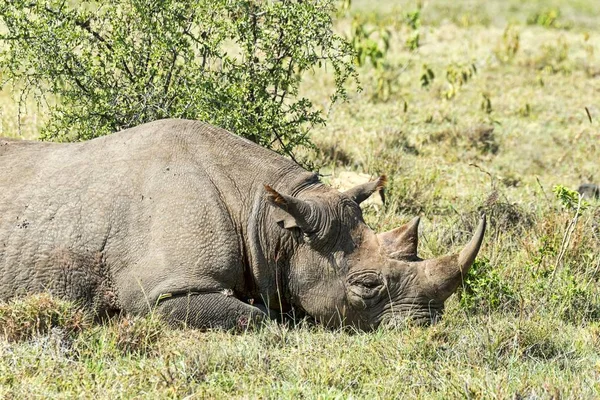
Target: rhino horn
[(445, 274), (362, 192), (402, 241), (293, 212)]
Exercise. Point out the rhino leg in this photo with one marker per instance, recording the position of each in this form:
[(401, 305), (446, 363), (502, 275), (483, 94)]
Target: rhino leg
[(210, 310)]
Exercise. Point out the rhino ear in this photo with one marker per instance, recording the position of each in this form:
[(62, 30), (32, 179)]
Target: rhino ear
[(291, 212), (362, 192)]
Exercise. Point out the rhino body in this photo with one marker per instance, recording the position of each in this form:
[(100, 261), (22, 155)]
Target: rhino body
[(174, 216), (589, 190)]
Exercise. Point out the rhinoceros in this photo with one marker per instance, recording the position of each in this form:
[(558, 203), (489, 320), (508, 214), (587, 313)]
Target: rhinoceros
[(589, 190), (208, 230)]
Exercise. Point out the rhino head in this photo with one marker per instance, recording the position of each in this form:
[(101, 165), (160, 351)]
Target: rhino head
[(344, 274)]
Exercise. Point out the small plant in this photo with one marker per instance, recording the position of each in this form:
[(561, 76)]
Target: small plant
[(344, 7), (549, 18), (371, 44), (570, 199), (486, 103), (508, 45), (470, 19), (484, 289), (412, 43), (555, 54), (482, 138), (457, 75), (525, 110), (552, 58), (386, 86), (427, 76), (573, 298), (370, 38), (413, 20)]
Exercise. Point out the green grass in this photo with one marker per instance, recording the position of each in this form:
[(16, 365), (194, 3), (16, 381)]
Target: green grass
[(480, 356), (527, 325)]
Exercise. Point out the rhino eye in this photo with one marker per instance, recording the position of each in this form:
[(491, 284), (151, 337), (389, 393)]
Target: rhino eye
[(370, 283), (366, 286)]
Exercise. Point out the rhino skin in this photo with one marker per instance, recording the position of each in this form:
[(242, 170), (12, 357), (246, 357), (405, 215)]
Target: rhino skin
[(207, 229), (589, 190)]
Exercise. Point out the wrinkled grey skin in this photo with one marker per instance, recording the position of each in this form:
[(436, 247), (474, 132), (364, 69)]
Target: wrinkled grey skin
[(175, 216), (589, 190)]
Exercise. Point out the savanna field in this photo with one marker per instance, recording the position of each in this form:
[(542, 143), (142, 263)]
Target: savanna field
[(467, 107)]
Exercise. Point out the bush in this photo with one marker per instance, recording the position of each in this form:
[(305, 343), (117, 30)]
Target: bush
[(112, 65), (485, 290)]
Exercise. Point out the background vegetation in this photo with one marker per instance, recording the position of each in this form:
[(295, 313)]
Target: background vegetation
[(466, 106), (102, 67)]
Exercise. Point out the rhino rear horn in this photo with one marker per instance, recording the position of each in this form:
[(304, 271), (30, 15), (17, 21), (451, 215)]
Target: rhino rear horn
[(291, 211), (362, 192), (445, 274), (402, 242)]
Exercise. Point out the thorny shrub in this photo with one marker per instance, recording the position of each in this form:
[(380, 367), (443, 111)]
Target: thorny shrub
[(113, 65)]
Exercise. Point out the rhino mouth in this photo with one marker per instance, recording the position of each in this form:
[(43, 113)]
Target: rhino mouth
[(403, 315), (401, 322)]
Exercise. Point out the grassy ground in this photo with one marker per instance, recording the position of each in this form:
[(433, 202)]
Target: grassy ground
[(499, 139)]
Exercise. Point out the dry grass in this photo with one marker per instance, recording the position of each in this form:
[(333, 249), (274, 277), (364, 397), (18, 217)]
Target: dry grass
[(38, 315), (526, 324)]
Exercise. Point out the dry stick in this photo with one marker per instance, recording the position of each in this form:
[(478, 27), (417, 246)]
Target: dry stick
[(592, 276), (492, 181), (543, 191), (566, 240), (588, 114)]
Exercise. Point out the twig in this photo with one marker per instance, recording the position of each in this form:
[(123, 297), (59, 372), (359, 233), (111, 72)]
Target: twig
[(592, 276), (566, 239), (542, 187), (588, 114), (492, 180)]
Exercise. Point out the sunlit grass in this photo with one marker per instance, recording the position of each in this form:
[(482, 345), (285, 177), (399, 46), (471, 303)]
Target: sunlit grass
[(529, 324)]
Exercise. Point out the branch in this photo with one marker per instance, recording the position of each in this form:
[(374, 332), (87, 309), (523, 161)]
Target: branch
[(86, 26), (170, 73), (76, 79)]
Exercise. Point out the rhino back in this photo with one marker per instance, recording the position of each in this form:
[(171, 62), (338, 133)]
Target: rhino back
[(98, 221)]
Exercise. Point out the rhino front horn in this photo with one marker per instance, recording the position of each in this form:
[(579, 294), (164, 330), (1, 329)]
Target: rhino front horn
[(445, 274)]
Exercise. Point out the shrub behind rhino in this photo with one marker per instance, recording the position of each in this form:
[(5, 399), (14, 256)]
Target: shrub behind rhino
[(237, 64)]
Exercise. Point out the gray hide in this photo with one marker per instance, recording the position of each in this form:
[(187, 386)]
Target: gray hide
[(209, 230), (589, 190)]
